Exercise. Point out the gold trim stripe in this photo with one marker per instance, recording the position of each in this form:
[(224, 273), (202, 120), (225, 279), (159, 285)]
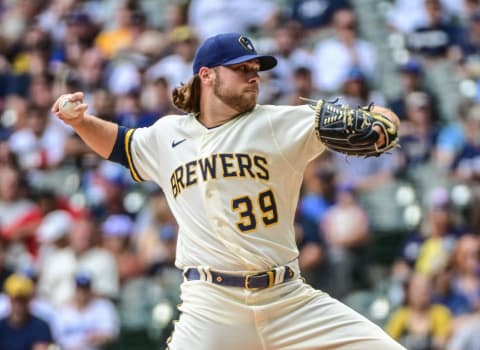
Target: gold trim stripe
[(128, 141)]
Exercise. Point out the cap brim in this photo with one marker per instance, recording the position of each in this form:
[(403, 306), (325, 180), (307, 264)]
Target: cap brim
[(266, 62)]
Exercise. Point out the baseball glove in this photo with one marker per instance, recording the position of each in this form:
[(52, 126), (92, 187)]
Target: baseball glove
[(351, 130)]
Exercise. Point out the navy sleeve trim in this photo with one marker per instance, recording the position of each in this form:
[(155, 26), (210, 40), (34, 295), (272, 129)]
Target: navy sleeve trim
[(118, 154), (121, 152)]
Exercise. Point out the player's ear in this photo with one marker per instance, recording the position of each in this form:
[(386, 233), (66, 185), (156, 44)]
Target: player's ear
[(207, 75)]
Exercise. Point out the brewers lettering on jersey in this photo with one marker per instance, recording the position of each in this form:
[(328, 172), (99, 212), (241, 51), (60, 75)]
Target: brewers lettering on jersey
[(231, 171)]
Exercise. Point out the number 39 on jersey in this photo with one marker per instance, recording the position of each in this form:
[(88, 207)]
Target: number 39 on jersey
[(253, 211)]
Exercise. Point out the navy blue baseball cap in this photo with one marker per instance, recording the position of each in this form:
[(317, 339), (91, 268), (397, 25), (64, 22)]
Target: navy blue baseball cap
[(83, 279), (229, 48)]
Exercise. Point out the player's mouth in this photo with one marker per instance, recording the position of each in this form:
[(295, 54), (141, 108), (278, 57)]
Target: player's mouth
[(252, 89)]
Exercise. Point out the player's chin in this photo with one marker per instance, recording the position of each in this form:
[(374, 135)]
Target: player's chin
[(249, 104), (251, 95)]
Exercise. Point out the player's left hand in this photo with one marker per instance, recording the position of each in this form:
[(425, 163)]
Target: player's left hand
[(361, 131), (390, 115)]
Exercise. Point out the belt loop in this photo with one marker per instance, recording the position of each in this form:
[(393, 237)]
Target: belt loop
[(201, 273), (208, 274), (279, 275), (205, 274)]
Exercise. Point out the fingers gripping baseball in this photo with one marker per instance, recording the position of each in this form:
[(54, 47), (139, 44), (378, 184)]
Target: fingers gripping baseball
[(70, 108)]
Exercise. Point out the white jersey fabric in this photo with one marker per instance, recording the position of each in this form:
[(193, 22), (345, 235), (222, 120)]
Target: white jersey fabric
[(234, 188)]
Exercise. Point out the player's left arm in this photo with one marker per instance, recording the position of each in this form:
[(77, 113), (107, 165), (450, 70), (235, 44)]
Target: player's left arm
[(361, 131)]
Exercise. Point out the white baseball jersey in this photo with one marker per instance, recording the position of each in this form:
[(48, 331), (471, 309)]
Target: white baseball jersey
[(233, 189)]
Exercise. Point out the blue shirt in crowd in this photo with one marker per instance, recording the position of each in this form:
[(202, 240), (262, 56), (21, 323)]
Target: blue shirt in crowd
[(25, 337)]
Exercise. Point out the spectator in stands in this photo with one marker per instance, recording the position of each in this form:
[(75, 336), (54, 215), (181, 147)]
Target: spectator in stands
[(302, 88), (367, 174), (230, 16), (470, 40), (91, 257), (464, 150), (40, 90), (176, 68), (290, 55), (18, 217), (466, 338), (311, 249), (428, 249), (56, 264), (39, 306), (439, 232), (111, 41), (437, 37), (156, 100), (420, 324), (318, 190), (405, 15), (21, 330), (411, 75), (315, 15), (334, 57), (444, 293), (90, 71), (129, 111), (5, 270), (82, 253), (346, 232), (157, 234), (53, 19), (461, 10), (465, 278), (87, 322), (117, 231), (103, 102), (105, 188), (357, 90), (52, 234), (419, 135), (41, 143)]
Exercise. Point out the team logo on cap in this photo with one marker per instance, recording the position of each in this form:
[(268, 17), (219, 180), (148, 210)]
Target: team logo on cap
[(246, 43)]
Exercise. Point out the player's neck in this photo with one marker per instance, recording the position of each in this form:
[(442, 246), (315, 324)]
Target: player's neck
[(214, 112)]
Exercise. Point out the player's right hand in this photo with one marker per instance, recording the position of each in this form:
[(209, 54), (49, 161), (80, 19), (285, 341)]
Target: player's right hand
[(79, 110)]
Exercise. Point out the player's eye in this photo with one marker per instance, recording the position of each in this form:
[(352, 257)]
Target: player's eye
[(245, 68)]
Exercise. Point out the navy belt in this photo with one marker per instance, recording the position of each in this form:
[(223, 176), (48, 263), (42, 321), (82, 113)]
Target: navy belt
[(259, 280)]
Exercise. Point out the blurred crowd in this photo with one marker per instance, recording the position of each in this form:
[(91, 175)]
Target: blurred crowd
[(87, 255)]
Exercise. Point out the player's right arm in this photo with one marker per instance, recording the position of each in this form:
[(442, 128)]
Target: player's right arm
[(100, 135)]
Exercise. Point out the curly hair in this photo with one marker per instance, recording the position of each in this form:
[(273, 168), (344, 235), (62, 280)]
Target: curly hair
[(186, 97)]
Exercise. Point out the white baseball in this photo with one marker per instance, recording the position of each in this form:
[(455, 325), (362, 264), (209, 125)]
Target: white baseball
[(67, 107)]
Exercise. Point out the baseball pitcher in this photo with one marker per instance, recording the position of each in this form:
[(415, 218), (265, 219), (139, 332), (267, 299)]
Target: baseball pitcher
[(231, 171)]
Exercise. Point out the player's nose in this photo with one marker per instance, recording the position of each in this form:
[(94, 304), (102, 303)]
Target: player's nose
[(254, 78)]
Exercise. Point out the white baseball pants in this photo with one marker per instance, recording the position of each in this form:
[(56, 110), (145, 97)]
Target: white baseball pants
[(289, 316)]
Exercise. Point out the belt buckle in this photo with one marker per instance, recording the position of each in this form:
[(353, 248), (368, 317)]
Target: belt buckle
[(271, 279), (247, 281)]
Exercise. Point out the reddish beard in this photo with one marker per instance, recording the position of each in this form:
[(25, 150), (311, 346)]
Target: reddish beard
[(241, 102)]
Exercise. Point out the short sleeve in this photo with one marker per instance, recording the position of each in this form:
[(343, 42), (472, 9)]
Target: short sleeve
[(442, 321), (293, 129), (42, 332), (397, 323), (142, 153)]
